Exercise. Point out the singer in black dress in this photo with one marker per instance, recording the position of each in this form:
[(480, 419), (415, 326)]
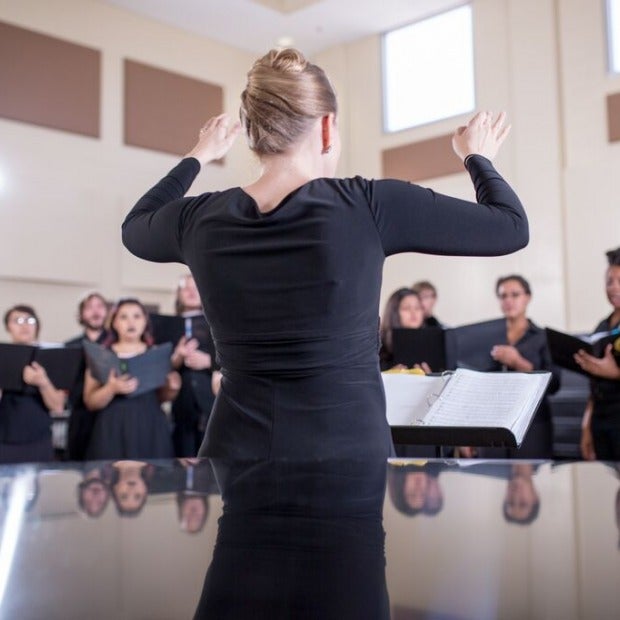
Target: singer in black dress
[(289, 268)]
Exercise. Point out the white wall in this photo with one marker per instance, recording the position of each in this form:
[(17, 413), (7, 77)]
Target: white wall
[(544, 61), (66, 195)]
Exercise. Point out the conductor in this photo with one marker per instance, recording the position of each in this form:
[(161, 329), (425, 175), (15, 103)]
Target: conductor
[(289, 267)]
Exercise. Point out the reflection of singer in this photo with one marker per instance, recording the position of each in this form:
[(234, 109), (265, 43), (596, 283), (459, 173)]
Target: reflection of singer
[(289, 267), (25, 423), (298, 540)]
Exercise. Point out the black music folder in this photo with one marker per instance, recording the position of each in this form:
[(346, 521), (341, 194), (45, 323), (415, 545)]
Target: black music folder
[(150, 368), (414, 346), (563, 347), (469, 346), (61, 363), (171, 328), (464, 407)]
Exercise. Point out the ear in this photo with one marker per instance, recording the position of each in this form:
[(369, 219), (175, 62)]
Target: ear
[(326, 125)]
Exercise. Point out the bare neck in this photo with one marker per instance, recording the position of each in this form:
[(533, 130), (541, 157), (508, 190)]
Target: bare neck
[(283, 173)]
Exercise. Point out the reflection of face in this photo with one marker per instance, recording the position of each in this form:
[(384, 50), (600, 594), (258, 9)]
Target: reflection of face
[(434, 495), (129, 323), (94, 313), (612, 285), (22, 327), (414, 490), (130, 490), (188, 294), (513, 299), (521, 498), (193, 514), (410, 312), (428, 299), (95, 497)]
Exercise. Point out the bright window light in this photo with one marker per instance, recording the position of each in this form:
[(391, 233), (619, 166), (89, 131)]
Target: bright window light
[(613, 34), (428, 70)]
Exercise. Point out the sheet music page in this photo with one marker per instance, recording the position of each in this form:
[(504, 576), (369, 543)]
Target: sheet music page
[(408, 397), (499, 399)]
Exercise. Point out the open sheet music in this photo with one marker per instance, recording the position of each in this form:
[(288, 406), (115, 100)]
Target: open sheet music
[(502, 402)]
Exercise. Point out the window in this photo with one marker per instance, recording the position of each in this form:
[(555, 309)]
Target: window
[(428, 70), (613, 35)]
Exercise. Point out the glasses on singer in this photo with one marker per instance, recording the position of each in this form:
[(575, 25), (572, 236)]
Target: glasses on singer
[(509, 295), (24, 320)]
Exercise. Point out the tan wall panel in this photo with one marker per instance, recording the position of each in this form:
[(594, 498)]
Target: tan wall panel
[(49, 82), (164, 110), (613, 117), (426, 159)]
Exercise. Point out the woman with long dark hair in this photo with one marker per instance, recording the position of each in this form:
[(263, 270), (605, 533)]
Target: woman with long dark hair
[(126, 426)]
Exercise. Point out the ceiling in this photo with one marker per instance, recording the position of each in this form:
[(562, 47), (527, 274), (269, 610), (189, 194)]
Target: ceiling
[(310, 25)]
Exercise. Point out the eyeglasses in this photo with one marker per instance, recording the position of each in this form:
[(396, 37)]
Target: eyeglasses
[(24, 320), (503, 296)]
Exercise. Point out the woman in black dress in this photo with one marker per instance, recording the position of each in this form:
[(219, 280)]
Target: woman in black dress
[(25, 422), (402, 309), (600, 434), (289, 267), (126, 426)]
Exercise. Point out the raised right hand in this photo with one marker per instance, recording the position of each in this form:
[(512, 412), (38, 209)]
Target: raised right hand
[(481, 136)]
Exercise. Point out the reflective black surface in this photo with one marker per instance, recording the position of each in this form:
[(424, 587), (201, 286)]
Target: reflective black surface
[(329, 539)]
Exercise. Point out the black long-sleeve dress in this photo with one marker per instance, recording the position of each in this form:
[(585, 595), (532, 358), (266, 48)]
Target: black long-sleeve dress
[(292, 295), (605, 394)]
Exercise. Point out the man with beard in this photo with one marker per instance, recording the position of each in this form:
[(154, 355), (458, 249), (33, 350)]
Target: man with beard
[(92, 313)]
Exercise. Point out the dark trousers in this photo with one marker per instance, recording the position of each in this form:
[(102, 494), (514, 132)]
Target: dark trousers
[(39, 451), (606, 436)]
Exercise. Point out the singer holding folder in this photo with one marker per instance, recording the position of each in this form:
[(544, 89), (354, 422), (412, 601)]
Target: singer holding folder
[(524, 349), (128, 427), (25, 423), (289, 267), (402, 309), (600, 428)]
